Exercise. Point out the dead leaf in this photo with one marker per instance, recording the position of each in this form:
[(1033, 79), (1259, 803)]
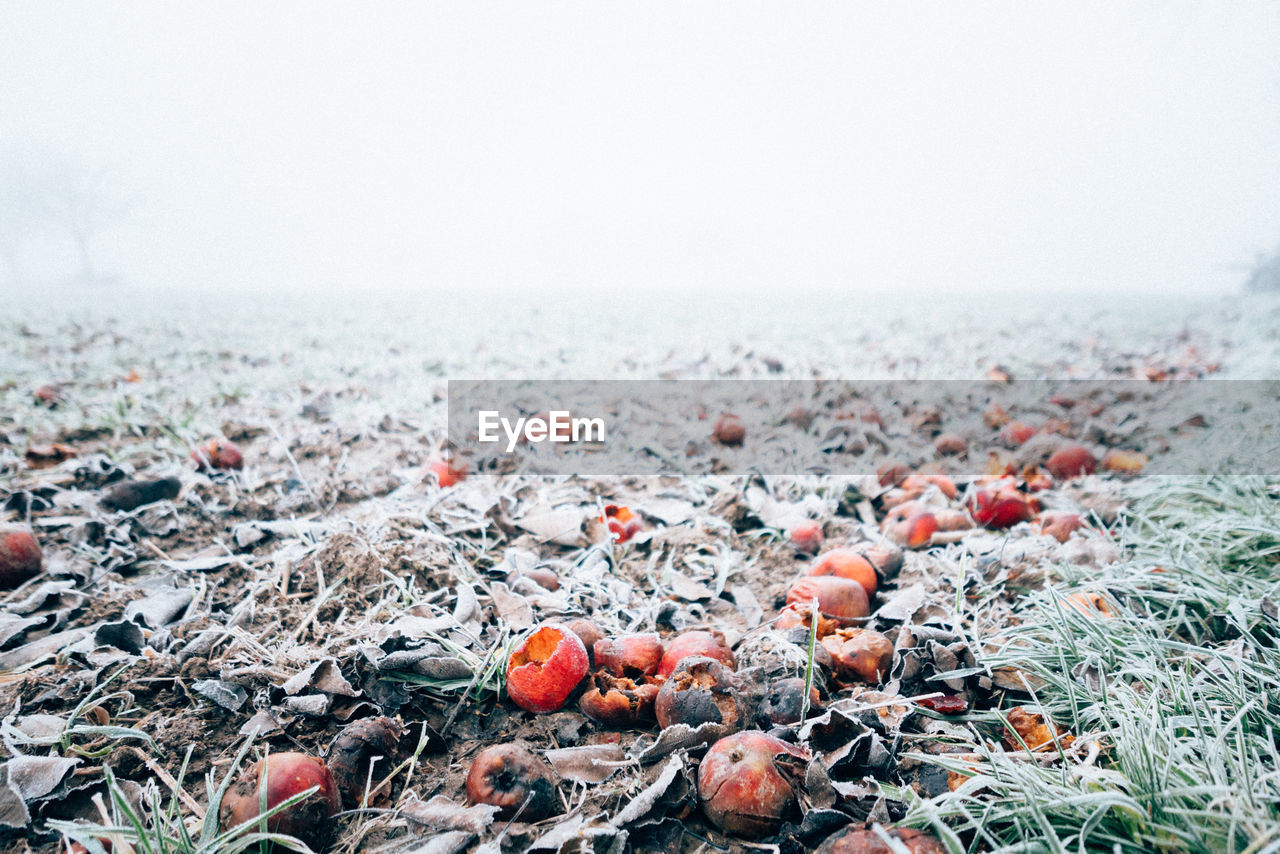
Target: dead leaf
[(228, 695), (589, 763), (562, 527), (441, 813), (323, 675), (34, 777)]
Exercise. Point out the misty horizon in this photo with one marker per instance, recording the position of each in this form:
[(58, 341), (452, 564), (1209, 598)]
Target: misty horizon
[(574, 149)]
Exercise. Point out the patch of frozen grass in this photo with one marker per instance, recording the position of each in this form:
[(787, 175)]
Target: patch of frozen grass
[(154, 827), (1174, 699)]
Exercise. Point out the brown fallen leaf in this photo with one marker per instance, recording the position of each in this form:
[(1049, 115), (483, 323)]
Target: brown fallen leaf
[(1032, 729), (44, 456)]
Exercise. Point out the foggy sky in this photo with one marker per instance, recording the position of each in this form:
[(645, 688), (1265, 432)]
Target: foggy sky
[(618, 147)]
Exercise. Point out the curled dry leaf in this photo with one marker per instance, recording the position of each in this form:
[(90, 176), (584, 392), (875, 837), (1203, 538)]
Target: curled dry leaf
[(1029, 730)]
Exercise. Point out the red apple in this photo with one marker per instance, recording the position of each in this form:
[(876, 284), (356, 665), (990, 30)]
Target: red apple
[(847, 563), (1016, 433), (729, 430), (862, 840), (696, 642), (1059, 525), (287, 775), (619, 701), (630, 655), (1001, 508), (20, 557), (546, 668), (217, 454), (839, 598), (447, 472), (806, 537), (747, 782), (1071, 460), (859, 654)]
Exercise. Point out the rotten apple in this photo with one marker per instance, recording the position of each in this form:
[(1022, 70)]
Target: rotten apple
[(701, 690), (630, 655), (511, 778), (620, 701), (217, 454), (546, 668), (859, 654), (863, 840), (747, 782), (362, 753), (784, 701)]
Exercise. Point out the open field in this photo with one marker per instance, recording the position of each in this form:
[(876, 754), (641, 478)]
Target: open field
[(1111, 689)]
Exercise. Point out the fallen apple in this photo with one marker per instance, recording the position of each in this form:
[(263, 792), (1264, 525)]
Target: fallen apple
[(621, 522), (1000, 508), (729, 430), (20, 557), (448, 472), (695, 642), (701, 690), (914, 532), (630, 655), (1027, 729), (219, 454), (362, 754), (588, 632), (44, 456), (806, 537), (1071, 460), (1123, 462), (950, 444), (859, 654), (863, 840), (132, 494), (1015, 434), (886, 558), (848, 563), (619, 701), (546, 668), (1059, 525), (282, 776), (511, 778), (747, 782), (838, 598), (784, 701)]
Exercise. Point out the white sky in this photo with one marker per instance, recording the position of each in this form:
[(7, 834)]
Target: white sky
[(622, 146)]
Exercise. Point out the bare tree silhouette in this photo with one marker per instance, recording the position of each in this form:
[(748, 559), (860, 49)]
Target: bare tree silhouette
[(55, 205), (1265, 275)]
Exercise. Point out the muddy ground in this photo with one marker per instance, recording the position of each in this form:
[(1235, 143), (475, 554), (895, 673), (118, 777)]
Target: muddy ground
[(333, 579)]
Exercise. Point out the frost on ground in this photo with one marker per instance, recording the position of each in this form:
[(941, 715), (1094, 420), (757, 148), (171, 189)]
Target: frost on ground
[(179, 632)]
